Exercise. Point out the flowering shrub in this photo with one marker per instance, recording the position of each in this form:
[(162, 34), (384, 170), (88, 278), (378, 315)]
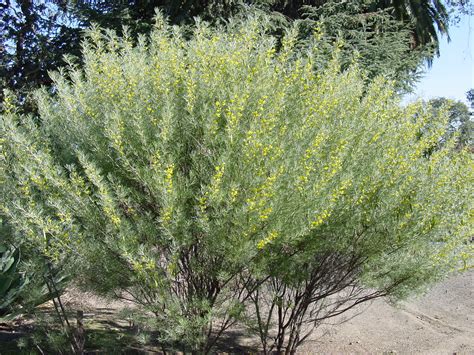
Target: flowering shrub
[(215, 179)]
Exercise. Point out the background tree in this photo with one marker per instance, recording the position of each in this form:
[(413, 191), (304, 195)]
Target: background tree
[(470, 98), (460, 121), (381, 44), (213, 179), (34, 37), (429, 19)]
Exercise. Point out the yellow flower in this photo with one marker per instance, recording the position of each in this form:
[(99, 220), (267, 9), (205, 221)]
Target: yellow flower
[(271, 236), (169, 178)]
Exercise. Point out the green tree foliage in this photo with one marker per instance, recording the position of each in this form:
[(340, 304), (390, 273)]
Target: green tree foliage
[(34, 37), (381, 43), (470, 98), (37, 34), (460, 122), (216, 180), (427, 17)]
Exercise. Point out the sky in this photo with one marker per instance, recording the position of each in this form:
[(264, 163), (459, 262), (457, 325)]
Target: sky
[(452, 73)]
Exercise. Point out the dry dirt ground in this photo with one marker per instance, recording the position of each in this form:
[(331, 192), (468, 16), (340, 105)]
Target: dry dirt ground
[(440, 322)]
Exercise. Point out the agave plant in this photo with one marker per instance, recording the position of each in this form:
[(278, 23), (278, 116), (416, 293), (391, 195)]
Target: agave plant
[(11, 280)]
